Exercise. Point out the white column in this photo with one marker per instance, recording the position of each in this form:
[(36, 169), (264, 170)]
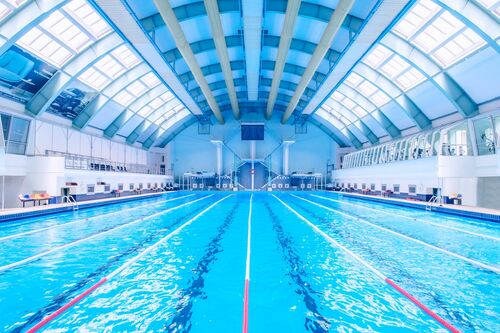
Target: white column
[(252, 158), (218, 146), (286, 154)]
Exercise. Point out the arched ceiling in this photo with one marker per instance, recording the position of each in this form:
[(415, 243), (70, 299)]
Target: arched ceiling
[(362, 70)]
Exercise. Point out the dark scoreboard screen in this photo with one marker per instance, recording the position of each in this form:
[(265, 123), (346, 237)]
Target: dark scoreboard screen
[(252, 132)]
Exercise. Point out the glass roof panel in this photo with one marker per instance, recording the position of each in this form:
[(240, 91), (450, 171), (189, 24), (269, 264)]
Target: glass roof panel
[(151, 80), (491, 5), (145, 111), (8, 6), (156, 103), (110, 66), (459, 47), (409, 79), (359, 111), (94, 78), (44, 46), (367, 88), (377, 56), (353, 79), (124, 98), (436, 33), (379, 98), (125, 56), (63, 29), (136, 88), (416, 18), (88, 17), (394, 66)]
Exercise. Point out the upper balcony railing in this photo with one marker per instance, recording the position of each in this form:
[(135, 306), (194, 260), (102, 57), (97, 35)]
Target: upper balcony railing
[(473, 137), (82, 162)]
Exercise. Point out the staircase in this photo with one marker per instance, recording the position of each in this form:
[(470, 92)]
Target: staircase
[(432, 202)]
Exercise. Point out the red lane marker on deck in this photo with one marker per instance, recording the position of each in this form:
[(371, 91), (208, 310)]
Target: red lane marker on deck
[(245, 307), (75, 300), (422, 306)]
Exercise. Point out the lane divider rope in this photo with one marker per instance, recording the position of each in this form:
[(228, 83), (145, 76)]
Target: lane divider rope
[(247, 269), (120, 269), (410, 218), (70, 244), (90, 218), (453, 254), (423, 307)]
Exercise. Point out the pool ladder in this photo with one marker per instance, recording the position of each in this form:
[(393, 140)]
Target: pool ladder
[(70, 199), (433, 200)]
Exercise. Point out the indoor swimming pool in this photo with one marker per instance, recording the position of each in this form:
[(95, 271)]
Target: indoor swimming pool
[(243, 262)]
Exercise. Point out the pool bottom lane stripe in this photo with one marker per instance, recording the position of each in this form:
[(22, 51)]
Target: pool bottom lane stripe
[(107, 230), (424, 308), (120, 269), (247, 270), (415, 240)]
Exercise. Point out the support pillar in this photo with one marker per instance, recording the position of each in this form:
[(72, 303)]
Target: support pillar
[(286, 155)]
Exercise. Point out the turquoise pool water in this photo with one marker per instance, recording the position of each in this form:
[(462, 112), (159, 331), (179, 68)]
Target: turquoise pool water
[(177, 263)]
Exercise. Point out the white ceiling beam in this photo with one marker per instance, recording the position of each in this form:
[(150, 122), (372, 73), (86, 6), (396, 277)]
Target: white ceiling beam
[(168, 15), (220, 46), (292, 11), (252, 30), (341, 11)]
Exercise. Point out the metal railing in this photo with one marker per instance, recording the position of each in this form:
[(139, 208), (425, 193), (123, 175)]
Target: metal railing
[(82, 162), (71, 200)]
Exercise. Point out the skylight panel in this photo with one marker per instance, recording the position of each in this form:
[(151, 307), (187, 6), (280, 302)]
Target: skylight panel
[(394, 66), (349, 103), (359, 111), (94, 78), (167, 97), (44, 46), (110, 66), (442, 28), (416, 18), (145, 111), (458, 48), (377, 56), (63, 29), (88, 17), (156, 103), (353, 79), (8, 6), (125, 56), (409, 79), (337, 96), (151, 80), (491, 5), (367, 88), (124, 98), (379, 98), (136, 88)]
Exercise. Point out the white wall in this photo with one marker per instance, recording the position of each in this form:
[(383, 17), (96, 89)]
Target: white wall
[(190, 151)]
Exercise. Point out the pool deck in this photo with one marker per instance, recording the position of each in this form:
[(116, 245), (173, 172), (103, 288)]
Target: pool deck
[(466, 211), (16, 213)]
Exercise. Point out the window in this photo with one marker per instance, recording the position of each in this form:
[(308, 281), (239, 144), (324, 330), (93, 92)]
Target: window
[(141, 186), (131, 186), (120, 187), (384, 187), (355, 186), (485, 136), (372, 187), (438, 33), (363, 186), (107, 188), (149, 185), (90, 188), (396, 188), (8, 6), (15, 132), (412, 189)]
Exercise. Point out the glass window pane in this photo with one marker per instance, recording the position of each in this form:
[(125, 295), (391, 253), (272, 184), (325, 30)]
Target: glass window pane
[(485, 137), (18, 136)]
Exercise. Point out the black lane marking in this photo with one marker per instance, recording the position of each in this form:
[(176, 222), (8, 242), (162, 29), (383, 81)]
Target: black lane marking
[(318, 323), (401, 275), (181, 322), (59, 300)]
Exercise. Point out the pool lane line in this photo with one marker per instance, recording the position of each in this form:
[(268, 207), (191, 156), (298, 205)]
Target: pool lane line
[(120, 269), (418, 241), (73, 243), (410, 218), (247, 269), (422, 306), (99, 271), (4, 238)]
